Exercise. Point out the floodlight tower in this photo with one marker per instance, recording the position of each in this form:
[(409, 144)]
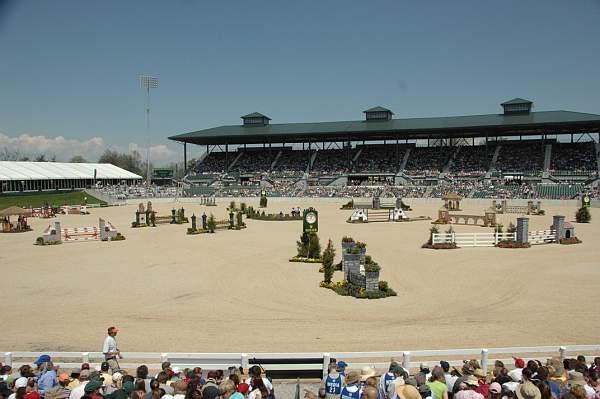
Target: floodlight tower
[(148, 82)]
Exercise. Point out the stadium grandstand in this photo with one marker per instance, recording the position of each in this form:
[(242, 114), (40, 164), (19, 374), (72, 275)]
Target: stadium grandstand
[(18, 177), (516, 153)]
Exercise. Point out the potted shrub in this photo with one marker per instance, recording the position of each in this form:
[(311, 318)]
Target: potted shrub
[(211, 223), (328, 257), (583, 215), (347, 242)]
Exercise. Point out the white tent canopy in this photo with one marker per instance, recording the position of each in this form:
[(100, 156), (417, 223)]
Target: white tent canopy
[(11, 170)]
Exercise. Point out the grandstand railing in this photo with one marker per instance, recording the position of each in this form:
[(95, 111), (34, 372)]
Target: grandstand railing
[(311, 361)]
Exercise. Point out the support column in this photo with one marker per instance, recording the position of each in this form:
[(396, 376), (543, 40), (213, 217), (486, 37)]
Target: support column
[(558, 224), (227, 158), (522, 230), (184, 158)]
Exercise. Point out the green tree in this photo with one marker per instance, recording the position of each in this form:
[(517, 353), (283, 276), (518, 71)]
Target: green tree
[(328, 258), (314, 246), (78, 159), (583, 215), (211, 223)]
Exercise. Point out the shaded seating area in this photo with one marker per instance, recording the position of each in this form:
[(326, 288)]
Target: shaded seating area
[(18, 225)]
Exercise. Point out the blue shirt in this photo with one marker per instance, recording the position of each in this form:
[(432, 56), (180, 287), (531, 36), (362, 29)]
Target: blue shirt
[(350, 392), (47, 381), (333, 385)]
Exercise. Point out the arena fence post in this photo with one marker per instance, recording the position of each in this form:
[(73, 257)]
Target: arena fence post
[(484, 360), (326, 361), (164, 357), (244, 361), (406, 360), (85, 357), (8, 359), (562, 352)]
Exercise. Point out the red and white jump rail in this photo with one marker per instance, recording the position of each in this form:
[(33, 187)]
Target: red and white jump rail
[(105, 231)]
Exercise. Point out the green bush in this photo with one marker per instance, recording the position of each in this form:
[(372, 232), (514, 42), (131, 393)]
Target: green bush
[(511, 228), (263, 201), (39, 241), (499, 228), (314, 246), (211, 223), (243, 207), (583, 215), (328, 257), (383, 285), (372, 267)]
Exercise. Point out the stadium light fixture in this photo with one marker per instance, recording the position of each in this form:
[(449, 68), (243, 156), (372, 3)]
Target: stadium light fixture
[(148, 82)]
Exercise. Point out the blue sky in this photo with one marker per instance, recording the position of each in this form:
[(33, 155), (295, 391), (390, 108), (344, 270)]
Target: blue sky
[(70, 68)]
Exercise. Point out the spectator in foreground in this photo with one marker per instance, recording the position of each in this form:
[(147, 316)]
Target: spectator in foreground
[(352, 388), (394, 371), (437, 384), (48, 378), (333, 383)]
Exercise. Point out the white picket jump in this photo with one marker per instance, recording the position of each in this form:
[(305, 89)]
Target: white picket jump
[(472, 239), (542, 236)]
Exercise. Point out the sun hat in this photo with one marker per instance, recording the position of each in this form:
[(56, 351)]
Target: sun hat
[(520, 363), (576, 378), (528, 391), (129, 387), (243, 387), (495, 387), (92, 386), (352, 377), (396, 368), (63, 377), (407, 392), (367, 372), (479, 373), (21, 382), (42, 359), (56, 392), (472, 381)]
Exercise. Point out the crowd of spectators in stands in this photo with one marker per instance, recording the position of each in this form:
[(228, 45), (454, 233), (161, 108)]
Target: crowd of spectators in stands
[(330, 162), (572, 378), (527, 158), (214, 162), (471, 161), (255, 161), (574, 158), (292, 163), (378, 158), (426, 161)]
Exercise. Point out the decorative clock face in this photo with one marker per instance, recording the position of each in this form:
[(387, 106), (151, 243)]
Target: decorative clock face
[(311, 217), (586, 199)]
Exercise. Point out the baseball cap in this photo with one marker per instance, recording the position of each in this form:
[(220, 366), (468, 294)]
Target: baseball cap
[(63, 377), (42, 359), (243, 387), (85, 373), (342, 364), (520, 363), (396, 368), (21, 382), (117, 376), (495, 387), (92, 386), (445, 365), (85, 366)]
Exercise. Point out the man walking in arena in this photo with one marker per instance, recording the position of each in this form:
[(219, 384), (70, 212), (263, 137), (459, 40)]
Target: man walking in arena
[(110, 350)]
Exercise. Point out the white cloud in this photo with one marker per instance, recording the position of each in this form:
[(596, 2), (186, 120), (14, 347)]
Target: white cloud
[(64, 149)]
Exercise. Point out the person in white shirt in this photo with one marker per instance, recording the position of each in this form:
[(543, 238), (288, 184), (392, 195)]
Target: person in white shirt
[(111, 351), (79, 390)]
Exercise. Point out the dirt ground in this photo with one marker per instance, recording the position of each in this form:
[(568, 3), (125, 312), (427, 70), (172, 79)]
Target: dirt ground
[(235, 291)]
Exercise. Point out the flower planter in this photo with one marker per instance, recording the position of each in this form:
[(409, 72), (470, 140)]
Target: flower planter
[(372, 281)]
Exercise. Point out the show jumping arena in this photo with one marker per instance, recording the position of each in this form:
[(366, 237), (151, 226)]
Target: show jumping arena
[(168, 291)]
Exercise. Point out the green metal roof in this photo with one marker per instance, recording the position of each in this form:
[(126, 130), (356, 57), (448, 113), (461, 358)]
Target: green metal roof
[(377, 109), (255, 115), (517, 101), (412, 128)]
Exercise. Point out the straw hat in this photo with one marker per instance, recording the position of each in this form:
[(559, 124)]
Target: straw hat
[(407, 392), (528, 391), (352, 377), (367, 372), (472, 381)]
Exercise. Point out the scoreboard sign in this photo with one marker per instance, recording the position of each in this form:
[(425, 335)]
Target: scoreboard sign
[(585, 201), (311, 220)]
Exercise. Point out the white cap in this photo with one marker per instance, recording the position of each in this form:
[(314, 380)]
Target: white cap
[(176, 370), (166, 396), (21, 382), (117, 376)]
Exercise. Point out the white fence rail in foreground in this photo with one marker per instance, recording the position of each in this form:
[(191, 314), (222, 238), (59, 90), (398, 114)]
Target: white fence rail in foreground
[(307, 361), (542, 236), (472, 239)]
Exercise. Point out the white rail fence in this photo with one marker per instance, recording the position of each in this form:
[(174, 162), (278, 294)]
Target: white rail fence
[(472, 239), (542, 236), (312, 361)]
